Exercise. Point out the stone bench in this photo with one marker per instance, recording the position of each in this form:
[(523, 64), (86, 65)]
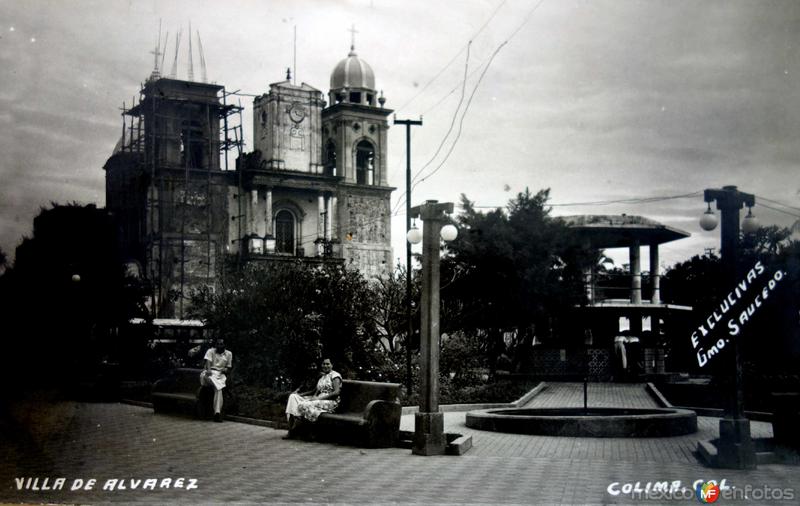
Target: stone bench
[(181, 389), (368, 415)]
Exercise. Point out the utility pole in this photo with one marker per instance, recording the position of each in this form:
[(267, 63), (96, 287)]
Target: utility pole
[(410, 330)]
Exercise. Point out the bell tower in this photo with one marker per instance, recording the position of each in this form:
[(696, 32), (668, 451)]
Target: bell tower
[(354, 148)]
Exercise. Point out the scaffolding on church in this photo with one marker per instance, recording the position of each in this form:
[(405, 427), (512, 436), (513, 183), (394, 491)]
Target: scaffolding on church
[(178, 139)]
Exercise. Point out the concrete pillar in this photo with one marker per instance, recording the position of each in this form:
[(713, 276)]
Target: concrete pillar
[(636, 274), (587, 284), (321, 216), (334, 216), (328, 218), (268, 211), (252, 218), (655, 275)]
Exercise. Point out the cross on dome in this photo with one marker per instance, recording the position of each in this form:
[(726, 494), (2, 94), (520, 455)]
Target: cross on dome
[(353, 33)]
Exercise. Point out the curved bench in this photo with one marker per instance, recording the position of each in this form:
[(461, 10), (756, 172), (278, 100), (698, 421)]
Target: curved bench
[(181, 388), (368, 415)]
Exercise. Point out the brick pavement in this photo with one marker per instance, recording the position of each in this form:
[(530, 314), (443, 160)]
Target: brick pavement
[(679, 449), (251, 464), (601, 395)]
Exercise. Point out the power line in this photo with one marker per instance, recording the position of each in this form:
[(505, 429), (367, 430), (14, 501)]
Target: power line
[(455, 114), (438, 74), (452, 124), (779, 210), (777, 202), (641, 200), (527, 18), (445, 97), (463, 116), (475, 89), (463, 83)]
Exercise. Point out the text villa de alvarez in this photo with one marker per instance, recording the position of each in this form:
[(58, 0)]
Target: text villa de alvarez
[(112, 484), (737, 321)]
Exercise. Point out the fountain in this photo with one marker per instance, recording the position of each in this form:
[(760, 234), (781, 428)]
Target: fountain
[(586, 422)]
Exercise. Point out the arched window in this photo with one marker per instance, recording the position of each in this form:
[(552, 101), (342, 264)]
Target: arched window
[(365, 163), (330, 158), (284, 232)]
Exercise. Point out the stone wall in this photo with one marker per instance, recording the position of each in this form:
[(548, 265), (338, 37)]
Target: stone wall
[(366, 230)]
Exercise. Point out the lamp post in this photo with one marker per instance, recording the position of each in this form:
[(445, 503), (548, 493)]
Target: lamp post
[(429, 438), (735, 449)]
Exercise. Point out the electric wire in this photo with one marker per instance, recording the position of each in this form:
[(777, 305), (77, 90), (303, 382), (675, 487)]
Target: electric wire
[(449, 130), (527, 18), (640, 200), (779, 210), (463, 116), (475, 89), (776, 202), (447, 65)]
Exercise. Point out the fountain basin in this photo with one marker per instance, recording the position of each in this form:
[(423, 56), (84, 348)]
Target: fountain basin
[(594, 422)]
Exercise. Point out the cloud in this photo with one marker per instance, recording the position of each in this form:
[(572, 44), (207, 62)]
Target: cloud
[(594, 99)]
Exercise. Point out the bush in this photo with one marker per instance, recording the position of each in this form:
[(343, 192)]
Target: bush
[(260, 402), (281, 319)]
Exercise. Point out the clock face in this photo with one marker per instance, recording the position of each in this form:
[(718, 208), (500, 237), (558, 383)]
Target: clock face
[(297, 113)]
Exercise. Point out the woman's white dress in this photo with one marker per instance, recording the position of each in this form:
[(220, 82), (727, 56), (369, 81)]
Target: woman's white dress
[(311, 409)]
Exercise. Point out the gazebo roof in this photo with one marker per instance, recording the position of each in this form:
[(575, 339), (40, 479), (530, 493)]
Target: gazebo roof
[(622, 230)]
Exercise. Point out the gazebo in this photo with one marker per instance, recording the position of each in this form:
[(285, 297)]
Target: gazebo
[(632, 232)]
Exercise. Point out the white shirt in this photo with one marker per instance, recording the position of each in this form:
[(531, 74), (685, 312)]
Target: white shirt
[(219, 361)]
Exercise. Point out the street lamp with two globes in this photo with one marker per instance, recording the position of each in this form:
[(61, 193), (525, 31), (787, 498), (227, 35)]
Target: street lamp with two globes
[(735, 449), (429, 437)]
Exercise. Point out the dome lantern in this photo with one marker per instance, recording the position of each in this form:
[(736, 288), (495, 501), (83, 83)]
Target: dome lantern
[(353, 81)]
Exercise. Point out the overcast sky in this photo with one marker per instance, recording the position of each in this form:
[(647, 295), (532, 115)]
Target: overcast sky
[(599, 100)]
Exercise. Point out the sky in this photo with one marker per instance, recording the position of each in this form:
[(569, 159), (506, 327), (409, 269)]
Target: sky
[(597, 100)]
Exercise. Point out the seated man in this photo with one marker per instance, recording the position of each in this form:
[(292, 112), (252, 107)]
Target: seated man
[(218, 362), (325, 398)]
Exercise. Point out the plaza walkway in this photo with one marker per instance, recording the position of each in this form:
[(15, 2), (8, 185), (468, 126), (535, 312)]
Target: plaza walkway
[(252, 464), (600, 395)]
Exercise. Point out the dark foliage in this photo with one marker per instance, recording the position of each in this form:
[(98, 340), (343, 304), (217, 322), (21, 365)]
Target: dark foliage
[(281, 319), (771, 337), (66, 292), (515, 272)]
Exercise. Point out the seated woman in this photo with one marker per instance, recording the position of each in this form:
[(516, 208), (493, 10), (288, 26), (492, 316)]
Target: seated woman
[(309, 405)]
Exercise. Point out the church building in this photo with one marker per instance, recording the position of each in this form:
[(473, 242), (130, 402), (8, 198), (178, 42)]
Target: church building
[(313, 188)]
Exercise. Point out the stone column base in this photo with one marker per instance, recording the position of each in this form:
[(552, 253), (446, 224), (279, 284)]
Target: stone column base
[(429, 438), (735, 447)]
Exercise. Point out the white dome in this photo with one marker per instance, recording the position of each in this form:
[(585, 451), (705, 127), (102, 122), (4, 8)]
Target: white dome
[(352, 72)]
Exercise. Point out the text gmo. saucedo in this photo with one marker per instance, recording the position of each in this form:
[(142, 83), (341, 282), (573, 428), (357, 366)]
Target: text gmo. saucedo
[(737, 322)]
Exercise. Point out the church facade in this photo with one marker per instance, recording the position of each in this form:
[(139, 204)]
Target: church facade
[(314, 187)]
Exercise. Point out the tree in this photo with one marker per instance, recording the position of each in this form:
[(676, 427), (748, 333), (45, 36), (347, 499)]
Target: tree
[(390, 309), (66, 290), (698, 282), (281, 318), (513, 270), (773, 336)]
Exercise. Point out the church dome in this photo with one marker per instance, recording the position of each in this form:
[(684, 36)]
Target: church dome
[(352, 72)]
